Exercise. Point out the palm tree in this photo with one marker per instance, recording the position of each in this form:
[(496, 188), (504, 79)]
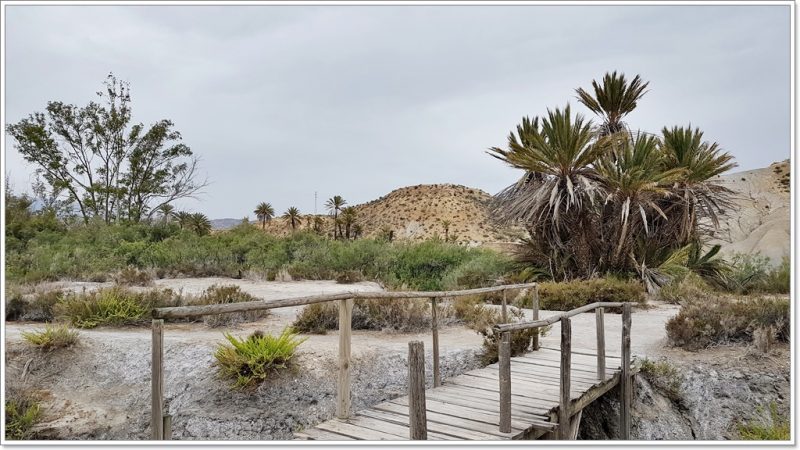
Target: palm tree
[(184, 219), (555, 197), (358, 230), (166, 211), (635, 180), (334, 205), (695, 195), (200, 224), (349, 215), (614, 99), (446, 225), (264, 212), (318, 223), (292, 215)]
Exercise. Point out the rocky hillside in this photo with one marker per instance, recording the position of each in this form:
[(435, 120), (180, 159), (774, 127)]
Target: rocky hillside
[(760, 222)]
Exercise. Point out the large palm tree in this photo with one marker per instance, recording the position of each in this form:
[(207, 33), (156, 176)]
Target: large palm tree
[(200, 224), (166, 212), (613, 99), (264, 212), (349, 215), (292, 215), (554, 198), (334, 205), (183, 218)]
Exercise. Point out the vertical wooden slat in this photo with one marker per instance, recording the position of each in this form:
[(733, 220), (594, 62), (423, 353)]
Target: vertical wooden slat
[(566, 367), (535, 308), (157, 381), (601, 344), (625, 376), (504, 353), (345, 332), (417, 418), (437, 380), (167, 427), (504, 310)]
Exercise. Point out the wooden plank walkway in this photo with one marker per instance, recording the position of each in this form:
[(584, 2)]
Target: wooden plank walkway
[(467, 407)]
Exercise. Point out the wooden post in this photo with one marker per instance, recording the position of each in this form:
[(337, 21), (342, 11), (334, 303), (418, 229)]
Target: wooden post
[(157, 381), (535, 308), (167, 427), (625, 375), (601, 344), (417, 419), (566, 367), (345, 332), (504, 310), (504, 353), (437, 380)]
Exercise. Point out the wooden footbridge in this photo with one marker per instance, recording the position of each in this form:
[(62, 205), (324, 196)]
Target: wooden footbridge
[(538, 395)]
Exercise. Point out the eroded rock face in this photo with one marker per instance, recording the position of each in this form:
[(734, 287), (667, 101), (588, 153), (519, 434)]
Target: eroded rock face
[(712, 399)]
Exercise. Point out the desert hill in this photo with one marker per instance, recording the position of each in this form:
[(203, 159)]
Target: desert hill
[(761, 220)]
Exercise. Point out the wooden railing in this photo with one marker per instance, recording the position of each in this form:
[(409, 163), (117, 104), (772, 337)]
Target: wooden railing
[(564, 409), (160, 422)]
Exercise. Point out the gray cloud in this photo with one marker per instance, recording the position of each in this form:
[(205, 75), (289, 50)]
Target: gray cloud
[(282, 101)]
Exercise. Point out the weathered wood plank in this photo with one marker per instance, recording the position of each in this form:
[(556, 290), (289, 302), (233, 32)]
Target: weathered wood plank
[(418, 425), (356, 432), (535, 316), (564, 412), (157, 381), (451, 420), (601, 344), (505, 380), (468, 412), (442, 428), (625, 376), (437, 380), (317, 434), (584, 352), (345, 337)]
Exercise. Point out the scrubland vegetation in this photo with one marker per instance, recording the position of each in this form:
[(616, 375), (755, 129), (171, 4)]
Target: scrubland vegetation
[(775, 427), (22, 413), (51, 337), (253, 359)]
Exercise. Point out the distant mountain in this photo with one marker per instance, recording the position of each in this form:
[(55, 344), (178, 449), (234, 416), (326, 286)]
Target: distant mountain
[(224, 224)]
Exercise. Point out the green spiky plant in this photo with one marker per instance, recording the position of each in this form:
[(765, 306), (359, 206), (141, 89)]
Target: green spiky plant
[(253, 359)]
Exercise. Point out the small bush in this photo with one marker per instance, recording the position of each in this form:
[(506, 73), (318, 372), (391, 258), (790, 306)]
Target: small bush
[(216, 295), (752, 273), (22, 413), (37, 307), (776, 428), (398, 315), (663, 376), (349, 277), (52, 337), (113, 306), (131, 276), (778, 279), (569, 295), (15, 305), (690, 287), (722, 320), (252, 360)]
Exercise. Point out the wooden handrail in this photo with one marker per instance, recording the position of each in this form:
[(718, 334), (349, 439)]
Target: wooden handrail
[(176, 312), (501, 328)]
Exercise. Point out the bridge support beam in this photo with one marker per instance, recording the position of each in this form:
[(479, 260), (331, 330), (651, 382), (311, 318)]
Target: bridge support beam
[(625, 375), (504, 357), (437, 378), (343, 382), (417, 417)]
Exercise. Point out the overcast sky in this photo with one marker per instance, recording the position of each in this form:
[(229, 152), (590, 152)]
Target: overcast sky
[(283, 101)]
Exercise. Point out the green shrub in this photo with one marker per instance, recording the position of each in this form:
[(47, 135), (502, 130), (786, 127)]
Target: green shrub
[(112, 306), (776, 428), (37, 307), (51, 337), (722, 319), (663, 376), (753, 273), (317, 318), (778, 279), (251, 360), (568, 295), (22, 413)]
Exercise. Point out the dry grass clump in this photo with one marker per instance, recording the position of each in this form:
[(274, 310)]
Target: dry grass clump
[(723, 319), (663, 376), (690, 287), (132, 276), (396, 315), (774, 427), (112, 306), (51, 337), (252, 360), (216, 295)]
